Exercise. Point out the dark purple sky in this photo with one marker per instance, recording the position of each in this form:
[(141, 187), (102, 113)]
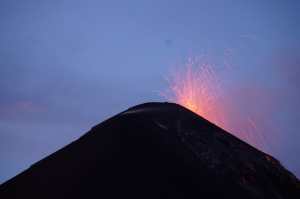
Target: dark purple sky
[(68, 65)]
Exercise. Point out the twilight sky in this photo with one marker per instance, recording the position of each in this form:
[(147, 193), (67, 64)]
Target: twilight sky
[(66, 65)]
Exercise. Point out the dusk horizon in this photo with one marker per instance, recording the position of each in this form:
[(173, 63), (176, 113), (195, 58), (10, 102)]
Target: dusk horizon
[(66, 66)]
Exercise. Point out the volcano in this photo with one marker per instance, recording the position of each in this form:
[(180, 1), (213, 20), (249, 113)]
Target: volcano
[(155, 150)]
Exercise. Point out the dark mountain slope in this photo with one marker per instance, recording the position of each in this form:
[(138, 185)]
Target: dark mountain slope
[(155, 150)]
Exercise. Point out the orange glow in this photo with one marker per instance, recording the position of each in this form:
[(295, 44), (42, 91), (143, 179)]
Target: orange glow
[(199, 88)]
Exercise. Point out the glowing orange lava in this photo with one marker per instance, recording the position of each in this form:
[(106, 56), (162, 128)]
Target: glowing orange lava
[(198, 88)]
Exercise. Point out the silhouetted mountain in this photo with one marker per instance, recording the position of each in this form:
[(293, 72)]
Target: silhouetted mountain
[(155, 150)]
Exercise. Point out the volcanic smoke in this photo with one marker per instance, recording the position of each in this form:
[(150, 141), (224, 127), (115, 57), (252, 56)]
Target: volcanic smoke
[(199, 88)]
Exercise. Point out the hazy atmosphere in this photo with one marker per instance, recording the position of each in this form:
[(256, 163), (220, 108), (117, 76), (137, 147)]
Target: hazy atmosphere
[(65, 66)]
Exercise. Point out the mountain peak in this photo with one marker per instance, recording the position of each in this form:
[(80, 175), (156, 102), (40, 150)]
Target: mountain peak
[(155, 150)]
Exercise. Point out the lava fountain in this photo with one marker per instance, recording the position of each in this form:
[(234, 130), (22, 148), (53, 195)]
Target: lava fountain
[(199, 88)]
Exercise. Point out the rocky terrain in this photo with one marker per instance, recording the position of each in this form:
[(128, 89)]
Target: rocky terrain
[(155, 150)]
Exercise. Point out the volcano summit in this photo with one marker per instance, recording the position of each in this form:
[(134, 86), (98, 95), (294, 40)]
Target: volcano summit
[(155, 150)]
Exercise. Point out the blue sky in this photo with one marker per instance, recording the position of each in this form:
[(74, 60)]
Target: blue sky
[(68, 65)]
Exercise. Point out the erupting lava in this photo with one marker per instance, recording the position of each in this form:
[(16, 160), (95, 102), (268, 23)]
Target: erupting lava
[(198, 88)]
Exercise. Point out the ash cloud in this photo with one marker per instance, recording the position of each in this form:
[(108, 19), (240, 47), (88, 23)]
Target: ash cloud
[(271, 95)]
